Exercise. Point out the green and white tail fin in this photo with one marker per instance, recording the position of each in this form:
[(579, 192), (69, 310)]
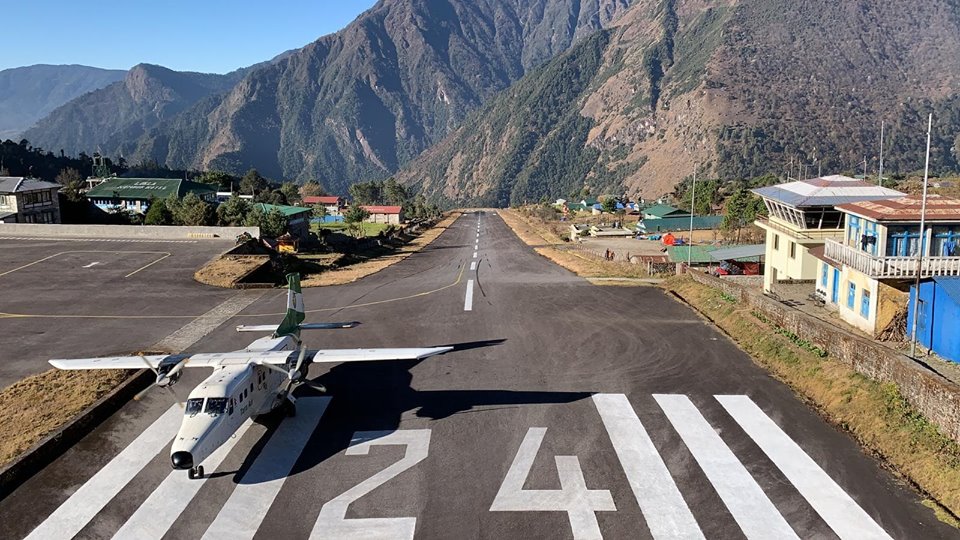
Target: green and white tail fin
[(290, 326), (292, 322)]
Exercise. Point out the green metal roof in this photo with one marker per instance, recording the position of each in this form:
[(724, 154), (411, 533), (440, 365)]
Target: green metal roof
[(662, 210), (700, 223), (144, 188), (288, 211), (699, 254), (704, 254)]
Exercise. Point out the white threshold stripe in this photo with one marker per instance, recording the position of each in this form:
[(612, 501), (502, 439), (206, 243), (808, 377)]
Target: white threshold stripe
[(157, 514), (243, 512), (468, 300), (474, 254), (834, 505), (473, 266), (74, 514), (749, 505), (666, 513)]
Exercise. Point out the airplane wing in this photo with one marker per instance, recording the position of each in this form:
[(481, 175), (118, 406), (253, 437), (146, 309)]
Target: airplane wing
[(245, 357), (372, 355), (115, 362)]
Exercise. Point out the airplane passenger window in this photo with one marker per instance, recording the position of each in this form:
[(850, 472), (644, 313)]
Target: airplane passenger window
[(216, 406), (194, 406)]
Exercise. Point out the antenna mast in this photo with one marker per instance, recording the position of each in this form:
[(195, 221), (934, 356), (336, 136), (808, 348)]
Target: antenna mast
[(880, 176)]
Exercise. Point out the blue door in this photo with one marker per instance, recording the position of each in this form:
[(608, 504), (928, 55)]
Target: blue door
[(835, 289)]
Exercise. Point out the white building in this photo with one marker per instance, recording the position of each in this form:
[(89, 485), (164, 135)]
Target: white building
[(802, 216), (27, 200)]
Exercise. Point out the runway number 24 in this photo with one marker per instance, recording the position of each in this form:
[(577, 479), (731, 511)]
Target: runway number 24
[(573, 497), (332, 522)]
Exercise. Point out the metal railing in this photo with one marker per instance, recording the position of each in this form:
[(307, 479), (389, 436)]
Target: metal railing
[(802, 234), (891, 267)]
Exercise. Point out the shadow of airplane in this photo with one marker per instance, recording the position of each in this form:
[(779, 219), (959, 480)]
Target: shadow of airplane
[(372, 396)]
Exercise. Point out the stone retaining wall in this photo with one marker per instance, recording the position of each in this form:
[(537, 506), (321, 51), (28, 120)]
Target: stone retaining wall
[(137, 232), (933, 395)]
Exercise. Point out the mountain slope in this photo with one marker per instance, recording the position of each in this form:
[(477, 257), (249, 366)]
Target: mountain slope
[(29, 93), (740, 87), (360, 103), (113, 117)]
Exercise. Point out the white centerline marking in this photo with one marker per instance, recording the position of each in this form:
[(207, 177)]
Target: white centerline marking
[(74, 514), (156, 514), (473, 266), (661, 503), (474, 254), (748, 504), (834, 505), (243, 512), (468, 300)]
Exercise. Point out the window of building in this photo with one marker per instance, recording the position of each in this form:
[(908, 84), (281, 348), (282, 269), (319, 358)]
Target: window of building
[(851, 294), (776, 242), (853, 231), (793, 250), (823, 274), (865, 304)]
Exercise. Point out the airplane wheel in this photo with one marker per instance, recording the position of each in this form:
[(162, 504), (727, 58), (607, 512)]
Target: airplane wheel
[(200, 471), (191, 475), (289, 409)]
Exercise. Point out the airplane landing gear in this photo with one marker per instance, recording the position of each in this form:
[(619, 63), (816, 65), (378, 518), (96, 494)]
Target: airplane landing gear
[(289, 408), (196, 472)]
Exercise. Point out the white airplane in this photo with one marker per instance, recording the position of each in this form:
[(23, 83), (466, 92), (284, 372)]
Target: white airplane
[(254, 381)]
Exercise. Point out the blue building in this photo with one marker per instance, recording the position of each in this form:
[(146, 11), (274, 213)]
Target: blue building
[(939, 321)]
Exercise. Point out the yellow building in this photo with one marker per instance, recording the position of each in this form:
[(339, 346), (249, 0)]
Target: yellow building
[(801, 217), (866, 272)]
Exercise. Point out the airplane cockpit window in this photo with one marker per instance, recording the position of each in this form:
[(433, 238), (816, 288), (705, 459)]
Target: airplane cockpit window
[(194, 406), (216, 406)]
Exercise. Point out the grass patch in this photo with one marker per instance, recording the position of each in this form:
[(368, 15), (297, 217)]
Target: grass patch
[(876, 414), (39, 404)]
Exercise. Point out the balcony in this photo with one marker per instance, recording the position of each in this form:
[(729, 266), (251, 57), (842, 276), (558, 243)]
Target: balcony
[(803, 235), (890, 267)]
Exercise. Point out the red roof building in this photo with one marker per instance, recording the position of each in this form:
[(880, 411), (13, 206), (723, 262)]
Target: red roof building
[(392, 215), (324, 200)]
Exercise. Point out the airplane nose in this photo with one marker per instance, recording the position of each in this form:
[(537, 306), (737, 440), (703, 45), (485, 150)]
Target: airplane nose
[(182, 460)]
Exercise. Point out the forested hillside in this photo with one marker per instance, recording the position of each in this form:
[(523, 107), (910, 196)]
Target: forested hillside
[(360, 103), (742, 88)]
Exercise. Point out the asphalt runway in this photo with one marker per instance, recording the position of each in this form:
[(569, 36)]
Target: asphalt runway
[(94, 298), (568, 411)]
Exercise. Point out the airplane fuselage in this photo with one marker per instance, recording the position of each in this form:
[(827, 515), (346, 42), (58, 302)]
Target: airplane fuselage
[(219, 405)]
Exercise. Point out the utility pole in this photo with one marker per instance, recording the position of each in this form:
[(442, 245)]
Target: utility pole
[(921, 242), (864, 168), (693, 208), (880, 176)]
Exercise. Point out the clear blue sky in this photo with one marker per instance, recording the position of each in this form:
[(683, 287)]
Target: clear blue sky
[(214, 36)]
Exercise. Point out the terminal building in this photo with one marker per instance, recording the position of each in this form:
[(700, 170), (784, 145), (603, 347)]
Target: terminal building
[(802, 216), (134, 194), (28, 200)]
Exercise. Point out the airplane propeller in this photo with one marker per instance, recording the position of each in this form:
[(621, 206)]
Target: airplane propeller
[(163, 381)]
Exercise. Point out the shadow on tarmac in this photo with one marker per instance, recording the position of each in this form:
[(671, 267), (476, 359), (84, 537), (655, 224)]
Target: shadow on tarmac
[(372, 396)]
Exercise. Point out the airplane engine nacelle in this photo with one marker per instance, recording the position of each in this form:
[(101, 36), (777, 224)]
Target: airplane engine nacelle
[(169, 371)]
